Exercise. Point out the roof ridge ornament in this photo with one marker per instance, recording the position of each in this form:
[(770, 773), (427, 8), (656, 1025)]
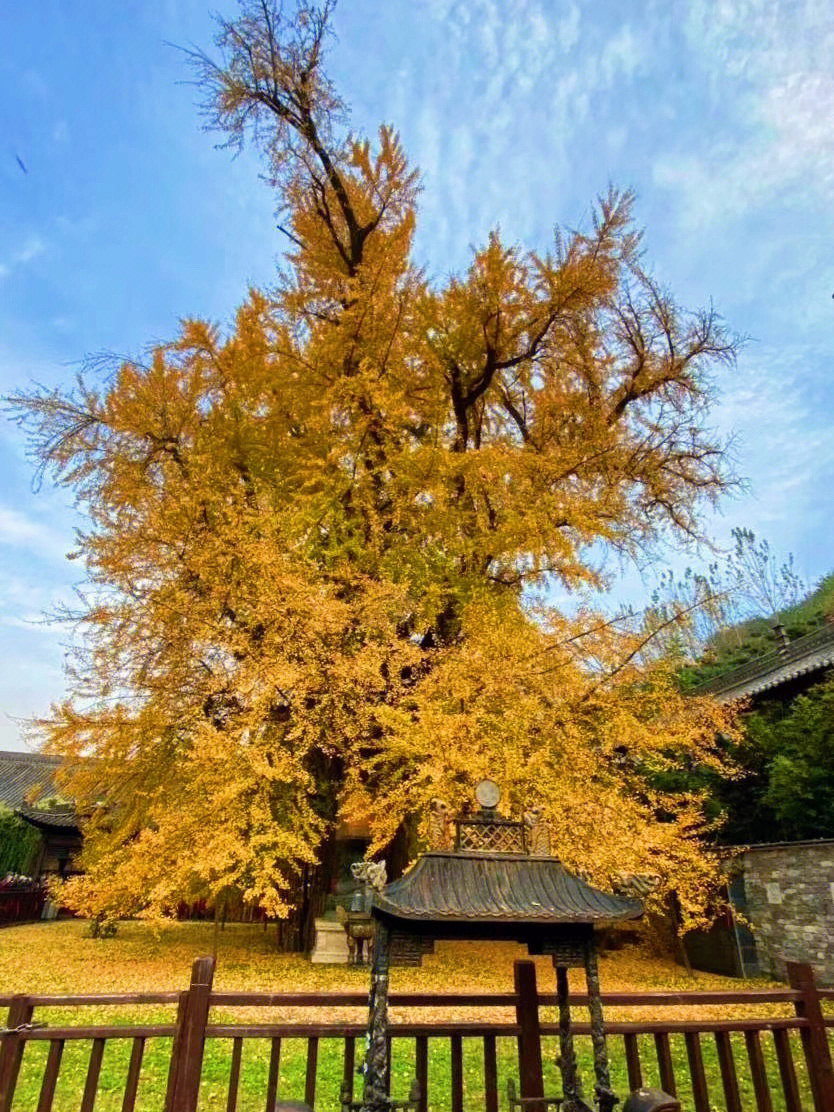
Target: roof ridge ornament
[(440, 825), (537, 832), (486, 830)]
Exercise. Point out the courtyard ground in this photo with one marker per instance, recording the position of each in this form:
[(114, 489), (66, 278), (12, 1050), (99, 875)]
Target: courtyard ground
[(59, 957)]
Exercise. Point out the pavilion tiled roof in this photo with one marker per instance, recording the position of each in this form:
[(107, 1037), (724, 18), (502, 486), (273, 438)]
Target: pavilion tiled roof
[(498, 888), (63, 817)]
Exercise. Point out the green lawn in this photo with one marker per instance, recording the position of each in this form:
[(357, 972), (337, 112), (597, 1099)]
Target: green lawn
[(255, 1066), (57, 958)]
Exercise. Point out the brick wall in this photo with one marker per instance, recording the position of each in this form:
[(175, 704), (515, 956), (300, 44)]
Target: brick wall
[(789, 892)]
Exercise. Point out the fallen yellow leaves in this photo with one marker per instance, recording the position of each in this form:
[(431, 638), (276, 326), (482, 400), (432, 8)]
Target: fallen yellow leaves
[(58, 958)]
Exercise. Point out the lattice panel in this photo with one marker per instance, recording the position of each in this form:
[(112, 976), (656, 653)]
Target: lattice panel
[(491, 837), (408, 949), (565, 952)]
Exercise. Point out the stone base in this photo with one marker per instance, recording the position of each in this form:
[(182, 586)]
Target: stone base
[(330, 943)]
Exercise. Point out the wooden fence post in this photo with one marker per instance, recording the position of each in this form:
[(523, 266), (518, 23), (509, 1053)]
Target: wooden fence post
[(189, 1040), (530, 1036), (814, 1036), (11, 1049), (176, 1042)]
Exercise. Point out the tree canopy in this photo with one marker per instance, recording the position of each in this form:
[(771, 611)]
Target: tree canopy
[(320, 543)]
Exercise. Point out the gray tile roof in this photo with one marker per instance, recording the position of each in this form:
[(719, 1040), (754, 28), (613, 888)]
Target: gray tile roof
[(23, 775), (500, 888), (63, 818)]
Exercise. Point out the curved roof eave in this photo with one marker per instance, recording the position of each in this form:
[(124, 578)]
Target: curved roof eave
[(507, 889)]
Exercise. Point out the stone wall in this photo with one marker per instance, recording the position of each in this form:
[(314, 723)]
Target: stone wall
[(789, 893)]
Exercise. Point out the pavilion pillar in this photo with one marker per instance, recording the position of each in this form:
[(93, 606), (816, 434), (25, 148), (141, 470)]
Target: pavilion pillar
[(375, 1091), (606, 1097), (571, 1085)]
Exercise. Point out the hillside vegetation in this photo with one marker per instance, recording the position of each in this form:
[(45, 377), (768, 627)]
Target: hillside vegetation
[(747, 640)]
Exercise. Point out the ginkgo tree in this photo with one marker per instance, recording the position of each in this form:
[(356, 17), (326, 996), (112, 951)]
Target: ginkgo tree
[(321, 545)]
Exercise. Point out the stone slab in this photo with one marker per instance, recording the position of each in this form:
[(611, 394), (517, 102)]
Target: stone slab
[(330, 943)]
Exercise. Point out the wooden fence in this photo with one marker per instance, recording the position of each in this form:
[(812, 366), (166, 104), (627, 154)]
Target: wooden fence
[(798, 1043)]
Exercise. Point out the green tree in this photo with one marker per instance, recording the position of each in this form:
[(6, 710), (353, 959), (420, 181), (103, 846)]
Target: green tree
[(798, 750), (20, 844)]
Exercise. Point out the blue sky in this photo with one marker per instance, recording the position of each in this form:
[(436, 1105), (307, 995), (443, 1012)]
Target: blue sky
[(720, 115)]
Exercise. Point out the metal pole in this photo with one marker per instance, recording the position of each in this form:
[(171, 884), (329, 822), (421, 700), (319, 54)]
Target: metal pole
[(571, 1085), (605, 1096), (375, 1091)]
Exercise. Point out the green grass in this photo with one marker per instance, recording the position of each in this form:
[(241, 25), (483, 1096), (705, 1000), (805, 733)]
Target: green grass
[(292, 1074)]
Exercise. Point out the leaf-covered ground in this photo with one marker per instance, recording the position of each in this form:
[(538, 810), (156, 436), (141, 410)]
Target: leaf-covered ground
[(58, 958)]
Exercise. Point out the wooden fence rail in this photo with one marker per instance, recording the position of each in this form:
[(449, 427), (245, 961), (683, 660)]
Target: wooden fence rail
[(674, 1053)]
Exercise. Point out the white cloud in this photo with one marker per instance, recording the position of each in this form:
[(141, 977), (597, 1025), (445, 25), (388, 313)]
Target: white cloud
[(622, 55), (19, 531), (567, 29), (787, 453), (769, 68), (32, 623), (32, 249), (503, 107)]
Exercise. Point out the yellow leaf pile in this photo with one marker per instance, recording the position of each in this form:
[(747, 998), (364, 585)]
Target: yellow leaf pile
[(59, 959)]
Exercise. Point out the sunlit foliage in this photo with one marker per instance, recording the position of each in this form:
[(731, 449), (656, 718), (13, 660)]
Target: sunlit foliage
[(319, 544)]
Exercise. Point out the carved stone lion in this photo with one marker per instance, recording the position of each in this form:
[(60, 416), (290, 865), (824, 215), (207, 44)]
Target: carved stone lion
[(440, 825), (372, 873), (634, 885), (538, 832)]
